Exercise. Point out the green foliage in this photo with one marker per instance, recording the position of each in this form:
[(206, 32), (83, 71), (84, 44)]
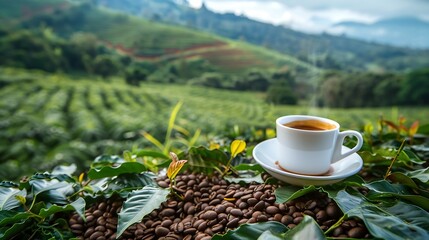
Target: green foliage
[(138, 204), (251, 231)]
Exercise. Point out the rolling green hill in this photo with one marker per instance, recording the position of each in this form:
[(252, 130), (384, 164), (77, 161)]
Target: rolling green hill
[(144, 40), (324, 50)]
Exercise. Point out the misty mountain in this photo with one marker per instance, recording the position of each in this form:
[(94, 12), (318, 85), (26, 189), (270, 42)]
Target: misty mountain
[(405, 31), (321, 50)]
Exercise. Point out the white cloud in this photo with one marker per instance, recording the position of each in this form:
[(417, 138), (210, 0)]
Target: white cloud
[(317, 16)]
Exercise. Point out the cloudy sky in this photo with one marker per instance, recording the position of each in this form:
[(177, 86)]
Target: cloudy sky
[(318, 15)]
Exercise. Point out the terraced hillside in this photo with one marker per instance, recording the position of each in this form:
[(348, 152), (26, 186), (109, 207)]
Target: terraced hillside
[(144, 40)]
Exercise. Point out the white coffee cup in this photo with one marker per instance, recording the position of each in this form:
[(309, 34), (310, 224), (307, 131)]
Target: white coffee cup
[(308, 151)]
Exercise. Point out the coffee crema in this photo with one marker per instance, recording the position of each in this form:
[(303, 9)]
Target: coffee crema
[(311, 125)]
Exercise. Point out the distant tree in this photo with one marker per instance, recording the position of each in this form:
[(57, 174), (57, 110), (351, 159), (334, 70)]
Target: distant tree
[(415, 88), (105, 66), (281, 94), (134, 76)]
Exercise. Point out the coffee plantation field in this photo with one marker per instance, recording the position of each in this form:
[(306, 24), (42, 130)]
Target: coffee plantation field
[(46, 120)]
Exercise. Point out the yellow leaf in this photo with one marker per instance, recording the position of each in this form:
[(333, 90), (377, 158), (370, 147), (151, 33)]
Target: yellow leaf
[(413, 129), (214, 145), (237, 146), (81, 177), (175, 166)]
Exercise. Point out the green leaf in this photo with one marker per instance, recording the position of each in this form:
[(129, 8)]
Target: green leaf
[(347, 202), (8, 200), (204, 160), (401, 178), (384, 189), (10, 232), (139, 204), (10, 217), (269, 235), (128, 156), (251, 231), (68, 170), (420, 174), (249, 167), (245, 179), (154, 154), (306, 229), (288, 193), (52, 191), (112, 171), (402, 221), (78, 206)]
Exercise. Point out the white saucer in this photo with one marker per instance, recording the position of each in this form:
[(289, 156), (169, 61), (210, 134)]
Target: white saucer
[(266, 154)]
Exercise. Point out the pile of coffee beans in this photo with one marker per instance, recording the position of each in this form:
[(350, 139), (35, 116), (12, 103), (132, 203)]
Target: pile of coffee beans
[(210, 205)]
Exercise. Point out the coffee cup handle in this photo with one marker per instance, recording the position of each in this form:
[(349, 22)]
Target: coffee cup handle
[(338, 154)]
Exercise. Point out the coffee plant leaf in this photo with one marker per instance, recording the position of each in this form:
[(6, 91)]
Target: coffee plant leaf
[(68, 170), (249, 167), (245, 178), (203, 160), (400, 221), (10, 232), (401, 178), (53, 191), (269, 235), (420, 174), (78, 206), (383, 189), (306, 229), (111, 171), (11, 217), (8, 200), (138, 204), (251, 231), (289, 192)]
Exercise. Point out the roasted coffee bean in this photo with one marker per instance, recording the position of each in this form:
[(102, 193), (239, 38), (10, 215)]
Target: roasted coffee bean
[(89, 232), (76, 226), (321, 215), (97, 213), (202, 226), (333, 211), (217, 228), (161, 231), (357, 232), (209, 215), (278, 217), (101, 221), (95, 235), (190, 231), (163, 184), (262, 218), (189, 196), (215, 202), (311, 204), (259, 206), (297, 220), (337, 231), (286, 219), (236, 212), (100, 229), (220, 209), (167, 212), (233, 223), (166, 223), (243, 205), (272, 210)]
